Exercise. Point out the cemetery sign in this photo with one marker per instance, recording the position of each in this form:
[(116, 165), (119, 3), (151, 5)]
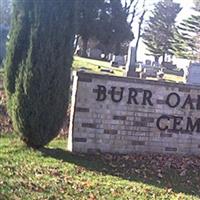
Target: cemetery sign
[(125, 115)]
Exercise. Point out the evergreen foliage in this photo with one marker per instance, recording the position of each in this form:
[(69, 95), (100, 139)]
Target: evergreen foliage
[(37, 67), (188, 37), (88, 20), (105, 21), (113, 28), (160, 31)]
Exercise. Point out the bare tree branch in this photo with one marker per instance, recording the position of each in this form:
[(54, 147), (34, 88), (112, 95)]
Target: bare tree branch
[(141, 19), (128, 5), (133, 12), (131, 2)]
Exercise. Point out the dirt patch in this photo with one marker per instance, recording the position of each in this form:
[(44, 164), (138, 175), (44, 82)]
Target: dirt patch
[(5, 122)]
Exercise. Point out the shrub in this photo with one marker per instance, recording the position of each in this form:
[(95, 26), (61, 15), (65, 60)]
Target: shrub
[(37, 67)]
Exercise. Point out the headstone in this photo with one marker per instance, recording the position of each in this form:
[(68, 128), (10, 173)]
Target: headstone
[(94, 53), (155, 64), (131, 65), (169, 65), (147, 62), (110, 56), (194, 74), (119, 60)]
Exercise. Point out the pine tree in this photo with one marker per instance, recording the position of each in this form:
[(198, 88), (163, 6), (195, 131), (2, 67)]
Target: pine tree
[(160, 30), (113, 28), (37, 67), (121, 29), (88, 21), (188, 37), (105, 21)]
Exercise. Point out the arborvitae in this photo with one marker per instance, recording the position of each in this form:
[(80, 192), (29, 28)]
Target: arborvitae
[(37, 67)]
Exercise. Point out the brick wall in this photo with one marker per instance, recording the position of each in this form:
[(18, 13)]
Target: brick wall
[(126, 115)]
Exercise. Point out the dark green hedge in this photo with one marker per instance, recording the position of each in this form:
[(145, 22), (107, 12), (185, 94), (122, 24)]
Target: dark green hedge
[(37, 67)]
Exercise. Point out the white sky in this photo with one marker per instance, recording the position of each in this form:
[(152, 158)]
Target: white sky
[(185, 12)]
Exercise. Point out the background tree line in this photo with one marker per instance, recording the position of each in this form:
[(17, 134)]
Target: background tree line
[(107, 21), (163, 36), (110, 23)]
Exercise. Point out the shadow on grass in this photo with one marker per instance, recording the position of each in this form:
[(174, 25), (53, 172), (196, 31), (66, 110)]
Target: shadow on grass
[(134, 169)]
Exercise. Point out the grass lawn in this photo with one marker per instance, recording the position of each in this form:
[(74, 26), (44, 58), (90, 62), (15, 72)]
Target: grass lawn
[(95, 66), (54, 173)]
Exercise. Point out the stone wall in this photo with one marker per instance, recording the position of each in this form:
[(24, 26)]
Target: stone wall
[(126, 115)]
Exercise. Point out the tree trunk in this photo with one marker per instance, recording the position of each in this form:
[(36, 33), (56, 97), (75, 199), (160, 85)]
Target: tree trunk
[(84, 49), (163, 58), (139, 34)]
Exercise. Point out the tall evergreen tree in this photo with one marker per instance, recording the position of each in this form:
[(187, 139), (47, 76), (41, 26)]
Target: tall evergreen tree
[(105, 21), (113, 28), (188, 36), (160, 30), (38, 66), (88, 20)]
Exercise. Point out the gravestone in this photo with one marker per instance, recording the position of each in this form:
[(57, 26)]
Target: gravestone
[(119, 60), (110, 57), (194, 74), (148, 62), (94, 53), (131, 65)]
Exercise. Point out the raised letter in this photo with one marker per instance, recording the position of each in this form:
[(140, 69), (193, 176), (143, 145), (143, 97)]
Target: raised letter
[(132, 96), (191, 127), (177, 100), (101, 93), (177, 121), (114, 93), (159, 120), (147, 97), (188, 101)]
